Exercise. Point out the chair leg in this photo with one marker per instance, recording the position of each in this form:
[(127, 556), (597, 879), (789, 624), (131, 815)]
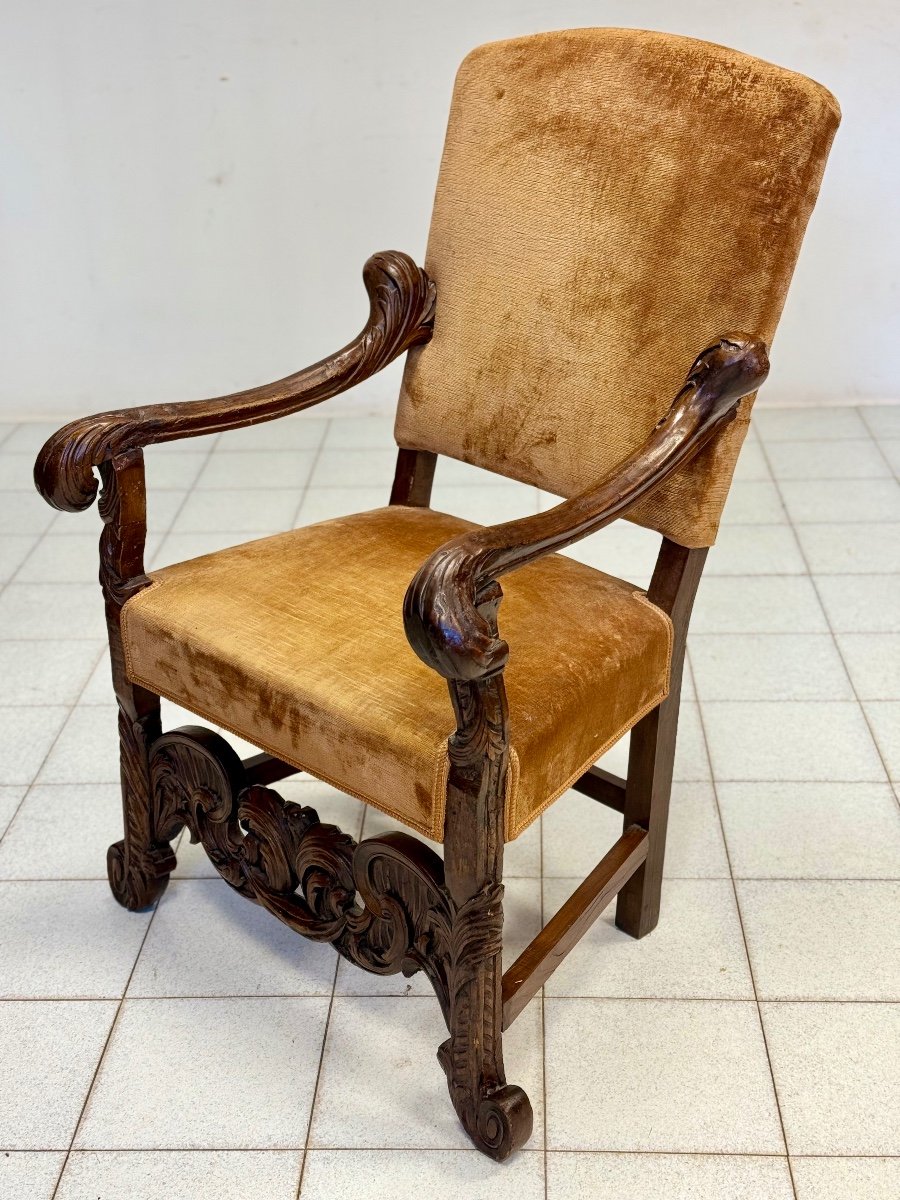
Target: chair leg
[(651, 757), (497, 1116), (647, 792), (140, 864)]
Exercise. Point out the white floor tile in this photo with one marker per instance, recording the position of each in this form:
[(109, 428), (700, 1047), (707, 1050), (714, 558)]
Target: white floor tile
[(370, 467), (873, 660), (813, 424), (49, 1051), (413, 1174), (29, 436), (241, 470), (752, 462), (73, 559), (851, 548), (755, 550), (286, 433), (47, 672), (658, 1075), (10, 800), (180, 547), (835, 1068), (861, 603), (823, 939), (24, 512), (52, 610), (846, 1178), (326, 503), (487, 505), (30, 1175), (845, 459), (206, 940), (790, 741), (691, 757), (239, 511), (622, 549), (14, 549), (177, 470), (87, 750), (882, 420), (26, 735), (831, 500), (811, 830), (667, 1177), (66, 940), (884, 718), (62, 831), (381, 1085), (891, 451), (578, 832), (181, 1175), (747, 604), (754, 502), (696, 951), (204, 1074), (776, 666), (361, 433)]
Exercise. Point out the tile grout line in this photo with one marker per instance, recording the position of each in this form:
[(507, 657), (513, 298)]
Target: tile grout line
[(877, 440), (836, 643), (740, 916), (317, 454), (109, 1036), (312, 1107)]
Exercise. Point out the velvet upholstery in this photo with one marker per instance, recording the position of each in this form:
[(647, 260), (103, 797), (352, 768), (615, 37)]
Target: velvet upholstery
[(296, 644), (609, 202)]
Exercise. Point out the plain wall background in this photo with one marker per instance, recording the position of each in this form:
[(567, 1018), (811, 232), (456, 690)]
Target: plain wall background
[(190, 187)]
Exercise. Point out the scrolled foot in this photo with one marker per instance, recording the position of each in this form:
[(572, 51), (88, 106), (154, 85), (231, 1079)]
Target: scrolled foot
[(498, 1120), (138, 885)]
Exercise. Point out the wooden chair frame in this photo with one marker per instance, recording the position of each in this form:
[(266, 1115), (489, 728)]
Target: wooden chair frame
[(389, 903)]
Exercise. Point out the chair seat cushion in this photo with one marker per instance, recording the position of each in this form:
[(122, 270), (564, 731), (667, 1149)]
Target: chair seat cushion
[(296, 644)]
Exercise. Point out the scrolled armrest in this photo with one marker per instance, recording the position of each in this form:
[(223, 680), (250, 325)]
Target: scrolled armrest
[(450, 607), (401, 314)]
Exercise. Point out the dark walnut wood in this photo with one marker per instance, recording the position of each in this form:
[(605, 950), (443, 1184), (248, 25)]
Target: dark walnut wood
[(385, 904), (401, 298), (441, 610), (389, 904)]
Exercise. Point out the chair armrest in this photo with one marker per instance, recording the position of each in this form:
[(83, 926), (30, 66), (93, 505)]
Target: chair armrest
[(449, 612), (401, 298)]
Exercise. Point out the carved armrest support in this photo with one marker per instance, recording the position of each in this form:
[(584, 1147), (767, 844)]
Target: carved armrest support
[(401, 315), (450, 607)]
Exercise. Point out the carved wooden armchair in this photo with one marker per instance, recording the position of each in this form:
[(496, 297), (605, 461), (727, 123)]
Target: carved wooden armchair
[(609, 203)]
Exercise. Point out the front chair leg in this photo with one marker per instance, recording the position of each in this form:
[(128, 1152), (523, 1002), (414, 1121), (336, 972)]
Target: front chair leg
[(140, 864), (496, 1115)]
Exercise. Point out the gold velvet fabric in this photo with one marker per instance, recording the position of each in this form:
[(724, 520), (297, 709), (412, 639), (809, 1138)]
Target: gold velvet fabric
[(610, 201), (296, 644)]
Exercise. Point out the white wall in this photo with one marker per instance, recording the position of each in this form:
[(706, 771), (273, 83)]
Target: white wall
[(190, 187)]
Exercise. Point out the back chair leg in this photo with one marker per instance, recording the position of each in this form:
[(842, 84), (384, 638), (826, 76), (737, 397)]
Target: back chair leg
[(651, 757), (496, 1115)]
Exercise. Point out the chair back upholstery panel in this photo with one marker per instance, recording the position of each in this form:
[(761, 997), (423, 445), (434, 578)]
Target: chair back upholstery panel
[(609, 202)]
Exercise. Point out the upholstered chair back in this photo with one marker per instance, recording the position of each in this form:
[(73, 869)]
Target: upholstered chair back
[(609, 202)]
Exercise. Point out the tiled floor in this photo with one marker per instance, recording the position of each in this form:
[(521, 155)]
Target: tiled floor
[(748, 1050)]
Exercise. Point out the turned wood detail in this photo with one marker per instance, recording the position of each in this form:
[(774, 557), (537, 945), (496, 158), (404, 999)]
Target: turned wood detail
[(441, 608), (401, 314)]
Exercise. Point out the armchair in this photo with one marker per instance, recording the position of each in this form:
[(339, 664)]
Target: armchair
[(609, 202)]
